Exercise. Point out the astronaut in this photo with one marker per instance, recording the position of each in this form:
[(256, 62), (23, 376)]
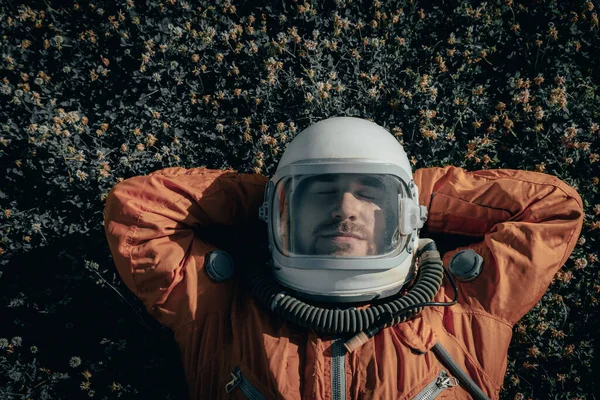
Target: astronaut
[(323, 282)]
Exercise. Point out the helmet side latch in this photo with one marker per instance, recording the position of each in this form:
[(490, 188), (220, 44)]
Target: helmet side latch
[(263, 211)]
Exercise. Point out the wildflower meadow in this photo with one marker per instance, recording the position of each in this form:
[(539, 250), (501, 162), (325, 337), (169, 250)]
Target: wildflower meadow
[(94, 92)]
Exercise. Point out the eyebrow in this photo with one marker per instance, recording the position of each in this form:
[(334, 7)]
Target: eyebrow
[(372, 182)]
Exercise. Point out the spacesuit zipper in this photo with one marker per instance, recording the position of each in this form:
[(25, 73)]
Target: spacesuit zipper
[(239, 381), (338, 370), (441, 383)]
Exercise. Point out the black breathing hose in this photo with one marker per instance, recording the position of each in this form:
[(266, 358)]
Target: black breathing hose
[(363, 323)]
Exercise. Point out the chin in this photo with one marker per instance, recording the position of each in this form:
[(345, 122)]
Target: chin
[(345, 252)]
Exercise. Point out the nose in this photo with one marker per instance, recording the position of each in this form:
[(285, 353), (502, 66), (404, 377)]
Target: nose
[(346, 207)]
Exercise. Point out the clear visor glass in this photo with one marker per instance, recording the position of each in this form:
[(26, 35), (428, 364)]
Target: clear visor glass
[(339, 215)]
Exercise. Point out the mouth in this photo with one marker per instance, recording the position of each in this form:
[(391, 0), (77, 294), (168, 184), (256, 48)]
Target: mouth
[(342, 236)]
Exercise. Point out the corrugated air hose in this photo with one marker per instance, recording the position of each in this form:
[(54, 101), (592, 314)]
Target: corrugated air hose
[(363, 323)]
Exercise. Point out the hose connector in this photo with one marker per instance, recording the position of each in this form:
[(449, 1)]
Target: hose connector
[(427, 245), (356, 341)]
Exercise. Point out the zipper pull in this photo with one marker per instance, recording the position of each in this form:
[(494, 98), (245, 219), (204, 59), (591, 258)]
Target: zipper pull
[(234, 382), (444, 381)]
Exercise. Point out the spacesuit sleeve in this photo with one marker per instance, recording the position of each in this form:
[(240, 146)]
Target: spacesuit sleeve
[(151, 224), (524, 224)]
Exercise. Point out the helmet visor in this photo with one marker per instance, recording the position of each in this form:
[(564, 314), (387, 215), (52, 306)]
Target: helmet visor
[(338, 215)]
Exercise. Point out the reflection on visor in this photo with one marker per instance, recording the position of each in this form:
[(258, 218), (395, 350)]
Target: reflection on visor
[(338, 215)]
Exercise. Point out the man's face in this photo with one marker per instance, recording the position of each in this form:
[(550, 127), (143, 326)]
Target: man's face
[(341, 215)]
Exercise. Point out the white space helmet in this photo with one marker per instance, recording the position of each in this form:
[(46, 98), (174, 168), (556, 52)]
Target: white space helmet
[(342, 212)]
